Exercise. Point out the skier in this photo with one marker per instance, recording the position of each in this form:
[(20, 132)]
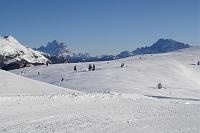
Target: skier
[(62, 80), (75, 69), (198, 63), (38, 73), (22, 73), (122, 65), (89, 67), (93, 67)]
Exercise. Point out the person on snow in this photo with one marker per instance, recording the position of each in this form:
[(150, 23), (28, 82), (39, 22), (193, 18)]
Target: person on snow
[(75, 69), (122, 65), (90, 67), (38, 73), (21, 72), (62, 80), (198, 63), (93, 67)]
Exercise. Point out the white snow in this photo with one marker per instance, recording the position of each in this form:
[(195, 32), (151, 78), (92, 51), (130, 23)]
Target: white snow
[(110, 99), (15, 85), (141, 76), (11, 47)]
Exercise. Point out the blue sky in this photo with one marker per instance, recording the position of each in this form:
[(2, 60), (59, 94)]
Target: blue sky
[(100, 26)]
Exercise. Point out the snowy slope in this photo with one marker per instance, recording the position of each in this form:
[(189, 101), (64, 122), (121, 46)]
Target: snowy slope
[(12, 84), (141, 76), (10, 47), (133, 104), (31, 109), (98, 113)]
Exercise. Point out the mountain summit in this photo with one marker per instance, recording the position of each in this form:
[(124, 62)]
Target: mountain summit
[(55, 48)]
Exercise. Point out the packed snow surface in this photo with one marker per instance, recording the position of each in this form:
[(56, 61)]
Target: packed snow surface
[(109, 99)]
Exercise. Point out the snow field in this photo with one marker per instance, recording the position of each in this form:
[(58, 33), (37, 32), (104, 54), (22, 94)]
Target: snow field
[(110, 99), (97, 113)]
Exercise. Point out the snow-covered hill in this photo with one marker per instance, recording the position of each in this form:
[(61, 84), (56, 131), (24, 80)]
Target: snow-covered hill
[(141, 76), (14, 85), (12, 52), (110, 99)]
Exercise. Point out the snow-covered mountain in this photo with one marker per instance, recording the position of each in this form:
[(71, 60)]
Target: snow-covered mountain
[(14, 55)]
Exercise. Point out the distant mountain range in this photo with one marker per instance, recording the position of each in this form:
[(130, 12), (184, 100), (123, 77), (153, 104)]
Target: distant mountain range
[(60, 54), (55, 48), (161, 46), (14, 55)]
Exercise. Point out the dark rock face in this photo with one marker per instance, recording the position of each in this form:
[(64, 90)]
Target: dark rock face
[(18, 64), (15, 65), (11, 66)]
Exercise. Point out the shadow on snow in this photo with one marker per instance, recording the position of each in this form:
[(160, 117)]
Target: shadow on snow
[(176, 98)]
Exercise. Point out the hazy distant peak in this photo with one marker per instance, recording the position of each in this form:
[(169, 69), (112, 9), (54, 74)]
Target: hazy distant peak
[(55, 48)]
